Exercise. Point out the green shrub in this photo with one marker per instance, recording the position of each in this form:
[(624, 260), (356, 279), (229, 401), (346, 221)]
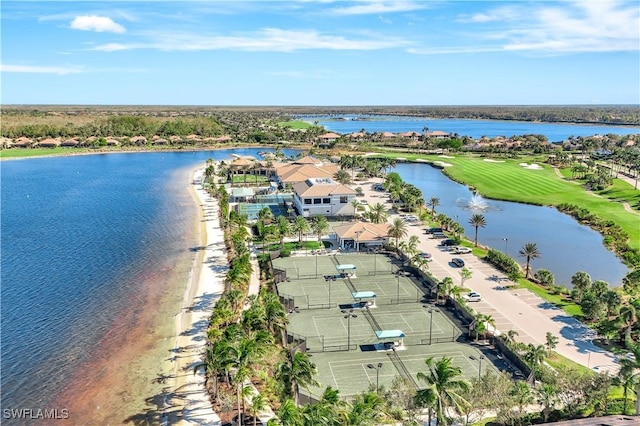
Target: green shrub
[(503, 262), (285, 252)]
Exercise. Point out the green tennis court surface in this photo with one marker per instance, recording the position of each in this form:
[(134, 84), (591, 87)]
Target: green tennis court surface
[(340, 332)]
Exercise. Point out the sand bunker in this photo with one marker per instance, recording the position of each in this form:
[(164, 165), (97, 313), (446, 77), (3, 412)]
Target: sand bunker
[(489, 160), (445, 156), (442, 164), (532, 166)]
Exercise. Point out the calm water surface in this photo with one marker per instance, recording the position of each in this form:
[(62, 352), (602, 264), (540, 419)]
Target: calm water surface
[(474, 128), (78, 233), (566, 246), (79, 237)]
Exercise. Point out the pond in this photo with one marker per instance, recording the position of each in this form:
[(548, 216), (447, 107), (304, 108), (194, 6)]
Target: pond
[(566, 247)]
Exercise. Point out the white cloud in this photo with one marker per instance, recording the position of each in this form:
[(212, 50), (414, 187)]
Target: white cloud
[(40, 69), (96, 23), (379, 6), (552, 28), (265, 40)]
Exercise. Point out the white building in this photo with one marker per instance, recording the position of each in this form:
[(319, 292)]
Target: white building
[(323, 196)]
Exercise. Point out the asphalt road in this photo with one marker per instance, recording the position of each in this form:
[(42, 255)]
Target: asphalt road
[(512, 309)]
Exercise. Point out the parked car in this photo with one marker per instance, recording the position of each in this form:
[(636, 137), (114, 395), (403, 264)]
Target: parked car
[(472, 297), (448, 242), (433, 230), (425, 255), (363, 202), (457, 262), (462, 250)]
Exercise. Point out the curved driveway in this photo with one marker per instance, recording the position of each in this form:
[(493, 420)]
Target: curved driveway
[(512, 309)]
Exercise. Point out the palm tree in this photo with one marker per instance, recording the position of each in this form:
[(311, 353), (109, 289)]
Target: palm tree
[(630, 366), (320, 226), (356, 206), (447, 385), (547, 396), (284, 229), (552, 342), (433, 203), (446, 287), (530, 252), (378, 213), (265, 216), (296, 371), (628, 316), (300, 226), (535, 356), (477, 221), (482, 323), (258, 404), (288, 414), (342, 177), (465, 275), (398, 230)]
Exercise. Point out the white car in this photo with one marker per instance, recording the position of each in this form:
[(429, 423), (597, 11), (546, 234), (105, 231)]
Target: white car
[(462, 250), (472, 297)]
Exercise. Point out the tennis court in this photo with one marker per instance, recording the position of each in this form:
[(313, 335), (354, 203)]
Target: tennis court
[(355, 372), (314, 266), (340, 330)]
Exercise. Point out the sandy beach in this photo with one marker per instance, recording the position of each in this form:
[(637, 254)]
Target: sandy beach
[(187, 400)]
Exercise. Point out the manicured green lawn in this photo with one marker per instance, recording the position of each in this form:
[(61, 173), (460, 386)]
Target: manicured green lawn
[(39, 152), (541, 187), (559, 300), (296, 124)]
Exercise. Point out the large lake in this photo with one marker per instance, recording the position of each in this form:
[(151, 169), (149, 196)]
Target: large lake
[(554, 132), (91, 243)]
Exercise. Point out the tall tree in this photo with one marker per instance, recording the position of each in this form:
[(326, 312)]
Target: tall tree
[(296, 371), (477, 221), (320, 226), (300, 227), (433, 203), (447, 384), (630, 366), (529, 251), (398, 230)]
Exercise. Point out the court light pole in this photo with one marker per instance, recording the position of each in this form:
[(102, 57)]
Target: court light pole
[(431, 311), (398, 288), (377, 368), (479, 364), (348, 314), (357, 241)]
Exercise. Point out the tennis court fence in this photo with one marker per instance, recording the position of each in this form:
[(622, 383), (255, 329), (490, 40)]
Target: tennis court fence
[(402, 369), (371, 319)]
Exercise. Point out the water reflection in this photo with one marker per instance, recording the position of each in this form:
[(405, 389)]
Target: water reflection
[(566, 246)]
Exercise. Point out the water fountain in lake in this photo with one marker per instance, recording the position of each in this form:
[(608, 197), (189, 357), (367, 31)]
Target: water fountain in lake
[(475, 203)]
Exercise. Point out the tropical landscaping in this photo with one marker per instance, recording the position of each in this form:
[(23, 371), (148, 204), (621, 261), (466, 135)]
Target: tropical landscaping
[(246, 346)]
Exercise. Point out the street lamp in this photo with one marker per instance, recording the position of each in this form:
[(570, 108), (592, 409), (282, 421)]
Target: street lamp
[(506, 241), (431, 311), (357, 241), (377, 368), (328, 279), (348, 314), (479, 364)]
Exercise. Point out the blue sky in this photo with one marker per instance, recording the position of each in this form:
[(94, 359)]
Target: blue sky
[(320, 52)]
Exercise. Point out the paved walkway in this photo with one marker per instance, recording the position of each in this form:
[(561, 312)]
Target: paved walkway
[(512, 309)]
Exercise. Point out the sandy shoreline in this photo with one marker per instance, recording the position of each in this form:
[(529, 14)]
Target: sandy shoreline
[(187, 401)]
